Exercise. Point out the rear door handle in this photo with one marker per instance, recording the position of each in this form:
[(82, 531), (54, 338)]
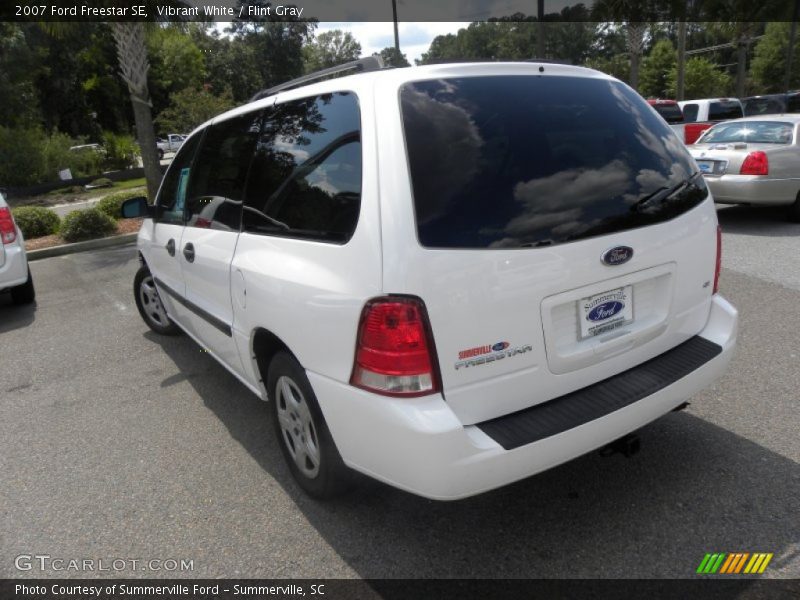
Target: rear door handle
[(170, 247), (188, 252)]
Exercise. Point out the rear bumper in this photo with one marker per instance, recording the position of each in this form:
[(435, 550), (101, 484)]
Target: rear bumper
[(14, 271), (419, 445), (752, 189)]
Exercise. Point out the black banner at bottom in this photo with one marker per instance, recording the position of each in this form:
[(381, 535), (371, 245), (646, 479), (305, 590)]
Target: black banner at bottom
[(395, 589)]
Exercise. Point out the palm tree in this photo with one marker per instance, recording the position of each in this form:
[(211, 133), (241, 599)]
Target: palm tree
[(134, 66)]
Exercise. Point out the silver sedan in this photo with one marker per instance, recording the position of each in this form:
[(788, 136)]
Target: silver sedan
[(755, 160)]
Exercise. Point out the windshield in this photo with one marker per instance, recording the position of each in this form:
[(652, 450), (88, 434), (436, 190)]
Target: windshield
[(524, 161), (756, 132)]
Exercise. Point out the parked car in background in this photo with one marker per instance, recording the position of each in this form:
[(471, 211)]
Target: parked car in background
[(671, 113), (771, 104), (699, 115), (526, 271), (755, 160), (169, 144), (15, 276)]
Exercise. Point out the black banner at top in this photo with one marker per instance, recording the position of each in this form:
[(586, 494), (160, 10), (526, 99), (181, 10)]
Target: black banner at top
[(407, 10)]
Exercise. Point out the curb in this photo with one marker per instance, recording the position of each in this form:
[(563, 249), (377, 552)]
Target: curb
[(117, 240)]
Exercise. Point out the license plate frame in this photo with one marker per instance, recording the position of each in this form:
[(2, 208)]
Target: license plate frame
[(592, 311)]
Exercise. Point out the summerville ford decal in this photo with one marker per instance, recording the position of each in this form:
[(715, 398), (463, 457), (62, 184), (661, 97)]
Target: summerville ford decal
[(481, 355)]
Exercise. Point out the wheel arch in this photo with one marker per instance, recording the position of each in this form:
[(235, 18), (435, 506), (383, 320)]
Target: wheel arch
[(264, 345)]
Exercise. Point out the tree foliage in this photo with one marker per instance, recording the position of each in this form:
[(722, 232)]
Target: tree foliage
[(393, 58), (176, 63), (703, 80), (769, 63), (192, 107), (656, 69), (329, 49)]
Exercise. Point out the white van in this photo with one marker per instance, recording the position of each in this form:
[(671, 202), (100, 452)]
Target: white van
[(449, 277)]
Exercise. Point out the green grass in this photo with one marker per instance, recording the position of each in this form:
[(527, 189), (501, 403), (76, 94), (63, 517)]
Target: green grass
[(66, 194)]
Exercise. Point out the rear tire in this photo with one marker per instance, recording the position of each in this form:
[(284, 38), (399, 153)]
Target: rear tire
[(304, 438), (25, 293), (149, 304), (794, 210)]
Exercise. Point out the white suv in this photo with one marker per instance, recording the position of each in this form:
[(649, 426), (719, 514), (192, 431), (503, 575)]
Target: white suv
[(15, 276), (448, 277)]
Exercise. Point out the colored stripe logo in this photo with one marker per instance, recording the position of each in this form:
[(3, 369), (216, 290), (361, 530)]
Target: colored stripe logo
[(734, 563)]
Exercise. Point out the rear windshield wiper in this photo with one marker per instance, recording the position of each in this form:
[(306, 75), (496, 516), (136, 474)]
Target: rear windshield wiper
[(664, 192)]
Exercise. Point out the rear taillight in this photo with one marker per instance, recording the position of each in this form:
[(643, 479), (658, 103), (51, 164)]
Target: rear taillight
[(8, 231), (755, 163), (394, 352), (719, 259)]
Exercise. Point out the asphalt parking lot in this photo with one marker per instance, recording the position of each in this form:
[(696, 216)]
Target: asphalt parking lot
[(119, 444)]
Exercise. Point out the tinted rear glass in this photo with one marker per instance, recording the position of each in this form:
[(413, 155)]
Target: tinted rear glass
[(671, 112), (522, 161), (719, 111), (764, 106)]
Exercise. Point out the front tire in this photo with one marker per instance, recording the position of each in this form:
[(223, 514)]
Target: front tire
[(304, 438), (149, 304), (25, 293)]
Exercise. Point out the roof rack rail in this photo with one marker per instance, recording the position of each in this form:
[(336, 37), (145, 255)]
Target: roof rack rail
[(362, 65)]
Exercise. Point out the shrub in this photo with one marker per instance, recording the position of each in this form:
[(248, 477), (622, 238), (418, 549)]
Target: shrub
[(112, 204), (121, 151), (88, 224), (36, 221), (28, 156)]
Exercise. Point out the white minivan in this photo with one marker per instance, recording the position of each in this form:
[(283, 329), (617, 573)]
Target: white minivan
[(449, 277)]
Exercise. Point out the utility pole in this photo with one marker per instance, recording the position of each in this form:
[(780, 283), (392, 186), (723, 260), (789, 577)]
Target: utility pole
[(679, 92), (540, 29), (790, 53), (396, 34), (741, 68)]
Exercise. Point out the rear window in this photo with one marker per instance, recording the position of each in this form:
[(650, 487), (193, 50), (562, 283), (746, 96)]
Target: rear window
[(764, 106), (522, 161), (671, 112), (755, 132), (721, 111)]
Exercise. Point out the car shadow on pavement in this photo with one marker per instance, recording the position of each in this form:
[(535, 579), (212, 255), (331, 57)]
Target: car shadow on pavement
[(769, 221), (694, 488), (14, 316)]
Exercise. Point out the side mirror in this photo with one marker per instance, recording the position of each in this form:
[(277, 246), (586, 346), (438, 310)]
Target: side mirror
[(137, 207)]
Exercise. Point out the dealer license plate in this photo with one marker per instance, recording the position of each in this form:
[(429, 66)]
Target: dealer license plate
[(605, 312), (706, 166)]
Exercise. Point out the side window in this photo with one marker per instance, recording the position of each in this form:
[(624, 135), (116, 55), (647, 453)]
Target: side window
[(172, 196), (306, 176), (216, 189), (690, 113)]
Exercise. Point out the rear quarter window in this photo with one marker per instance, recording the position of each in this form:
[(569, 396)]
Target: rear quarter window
[(690, 112), (526, 161)]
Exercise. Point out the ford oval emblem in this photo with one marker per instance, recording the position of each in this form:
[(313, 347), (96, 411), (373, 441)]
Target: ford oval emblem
[(605, 310), (617, 255), (500, 346)]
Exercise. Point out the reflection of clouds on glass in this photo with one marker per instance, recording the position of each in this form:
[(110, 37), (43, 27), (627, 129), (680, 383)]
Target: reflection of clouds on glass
[(287, 146), (574, 187), (558, 201), (454, 148)]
